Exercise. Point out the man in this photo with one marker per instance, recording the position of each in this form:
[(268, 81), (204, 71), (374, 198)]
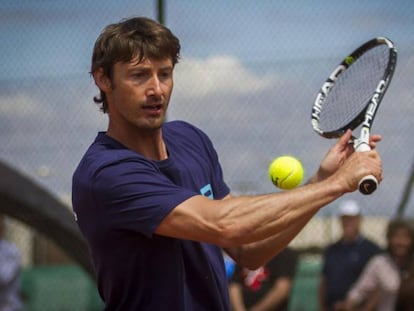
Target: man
[(345, 259), (266, 288), (150, 198)]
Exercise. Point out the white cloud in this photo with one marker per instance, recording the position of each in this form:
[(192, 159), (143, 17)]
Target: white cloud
[(218, 75), (21, 105)]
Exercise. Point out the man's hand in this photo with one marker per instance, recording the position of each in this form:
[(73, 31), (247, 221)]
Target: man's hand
[(357, 166), (338, 154)]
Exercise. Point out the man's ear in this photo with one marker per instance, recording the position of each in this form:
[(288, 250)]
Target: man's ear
[(101, 80)]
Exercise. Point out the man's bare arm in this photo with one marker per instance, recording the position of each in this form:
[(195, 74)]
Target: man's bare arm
[(273, 219)]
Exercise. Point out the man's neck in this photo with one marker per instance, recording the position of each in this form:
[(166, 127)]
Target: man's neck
[(149, 144)]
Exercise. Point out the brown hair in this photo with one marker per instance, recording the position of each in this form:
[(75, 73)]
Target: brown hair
[(135, 37)]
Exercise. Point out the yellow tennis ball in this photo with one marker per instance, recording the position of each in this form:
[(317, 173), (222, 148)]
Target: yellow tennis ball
[(286, 172)]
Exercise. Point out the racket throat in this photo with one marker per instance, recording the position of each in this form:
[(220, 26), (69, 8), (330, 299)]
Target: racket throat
[(361, 144)]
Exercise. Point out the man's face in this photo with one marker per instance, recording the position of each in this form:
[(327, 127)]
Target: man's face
[(350, 226), (139, 94)]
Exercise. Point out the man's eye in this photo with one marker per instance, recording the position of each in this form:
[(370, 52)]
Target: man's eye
[(139, 75), (165, 75)]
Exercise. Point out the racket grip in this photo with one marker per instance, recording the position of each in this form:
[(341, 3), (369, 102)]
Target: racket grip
[(369, 183)]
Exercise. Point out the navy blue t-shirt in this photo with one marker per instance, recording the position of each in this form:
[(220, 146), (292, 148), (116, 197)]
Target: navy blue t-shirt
[(119, 198)]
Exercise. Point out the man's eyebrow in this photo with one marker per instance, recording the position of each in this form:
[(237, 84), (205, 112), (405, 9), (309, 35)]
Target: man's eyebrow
[(167, 67), (138, 68)]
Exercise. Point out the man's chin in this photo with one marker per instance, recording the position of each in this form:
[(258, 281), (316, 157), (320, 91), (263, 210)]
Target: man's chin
[(154, 124)]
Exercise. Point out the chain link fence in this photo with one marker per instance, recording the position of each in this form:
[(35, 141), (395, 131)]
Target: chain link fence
[(248, 75)]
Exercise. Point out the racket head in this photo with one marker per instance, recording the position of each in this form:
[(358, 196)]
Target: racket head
[(352, 93)]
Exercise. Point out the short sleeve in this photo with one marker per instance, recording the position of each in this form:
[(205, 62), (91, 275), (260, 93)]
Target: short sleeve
[(134, 195)]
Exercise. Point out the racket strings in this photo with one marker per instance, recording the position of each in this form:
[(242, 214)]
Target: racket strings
[(352, 90)]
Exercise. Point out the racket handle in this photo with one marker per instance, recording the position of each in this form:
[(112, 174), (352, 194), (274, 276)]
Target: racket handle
[(369, 183)]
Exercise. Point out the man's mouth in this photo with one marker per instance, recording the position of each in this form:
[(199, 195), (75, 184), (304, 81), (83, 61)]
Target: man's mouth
[(153, 107)]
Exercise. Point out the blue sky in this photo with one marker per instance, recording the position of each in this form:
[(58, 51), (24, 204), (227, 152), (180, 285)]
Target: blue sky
[(248, 75), (35, 33)]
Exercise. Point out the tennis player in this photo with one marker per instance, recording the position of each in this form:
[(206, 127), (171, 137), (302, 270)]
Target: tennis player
[(150, 197)]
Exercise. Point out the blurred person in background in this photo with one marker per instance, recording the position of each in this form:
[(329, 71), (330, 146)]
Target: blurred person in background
[(266, 288), (405, 297), (344, 260), (384, 272), (10, 268)]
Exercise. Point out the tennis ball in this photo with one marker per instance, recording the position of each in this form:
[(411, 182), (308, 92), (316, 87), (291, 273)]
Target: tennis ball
[(286, 172)]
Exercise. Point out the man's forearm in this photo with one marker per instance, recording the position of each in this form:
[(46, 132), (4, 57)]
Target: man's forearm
[(254, 255), (281, 228)]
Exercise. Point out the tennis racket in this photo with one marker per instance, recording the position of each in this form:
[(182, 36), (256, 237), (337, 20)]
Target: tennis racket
[(350, 97)]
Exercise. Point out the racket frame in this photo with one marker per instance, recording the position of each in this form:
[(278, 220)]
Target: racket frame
[(365, 118), (367, 115)]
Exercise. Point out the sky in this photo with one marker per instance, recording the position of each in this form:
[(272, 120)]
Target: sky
[(248, 74), (37, 31)]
